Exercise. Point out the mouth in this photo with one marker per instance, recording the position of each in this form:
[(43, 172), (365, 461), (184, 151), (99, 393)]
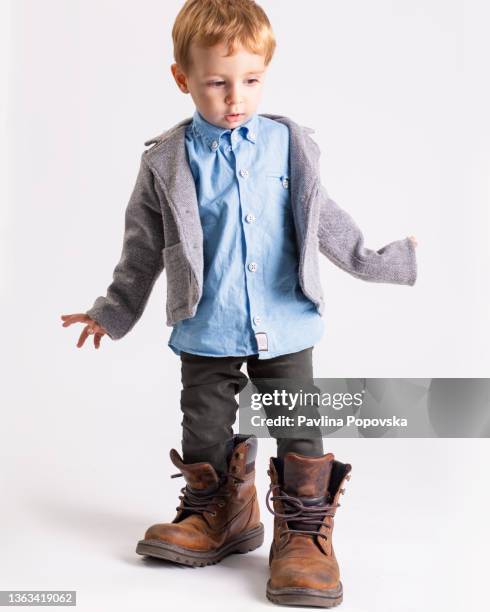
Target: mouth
[(232, 117)]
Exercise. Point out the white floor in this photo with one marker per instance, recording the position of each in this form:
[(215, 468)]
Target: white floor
[(410, 534)]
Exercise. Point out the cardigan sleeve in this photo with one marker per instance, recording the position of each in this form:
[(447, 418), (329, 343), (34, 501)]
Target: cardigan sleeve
[(341, 240), (140, 262)]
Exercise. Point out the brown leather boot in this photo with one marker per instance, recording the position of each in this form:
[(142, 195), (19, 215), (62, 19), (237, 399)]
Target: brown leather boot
[(305, 493), (217, 516)]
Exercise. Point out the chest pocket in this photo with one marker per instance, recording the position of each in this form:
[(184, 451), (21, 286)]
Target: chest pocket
[(278, 196), (281, 180)]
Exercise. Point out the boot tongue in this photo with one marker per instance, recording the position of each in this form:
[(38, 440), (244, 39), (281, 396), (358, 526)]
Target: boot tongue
[(198, 476), (307, 477)]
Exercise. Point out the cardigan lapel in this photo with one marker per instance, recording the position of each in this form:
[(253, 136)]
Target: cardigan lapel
[(303, 162), (168, 159)]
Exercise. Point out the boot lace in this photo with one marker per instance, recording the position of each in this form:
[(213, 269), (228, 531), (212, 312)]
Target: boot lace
[(199, 502), (304, 515)]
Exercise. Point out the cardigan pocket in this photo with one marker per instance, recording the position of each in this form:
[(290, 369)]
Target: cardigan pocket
[(178, 273)]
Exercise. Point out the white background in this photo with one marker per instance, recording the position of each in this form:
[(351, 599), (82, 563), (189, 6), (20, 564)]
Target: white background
[(397, 92)]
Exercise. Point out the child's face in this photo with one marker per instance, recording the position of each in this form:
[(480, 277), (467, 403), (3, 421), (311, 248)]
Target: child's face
[(220, 86)]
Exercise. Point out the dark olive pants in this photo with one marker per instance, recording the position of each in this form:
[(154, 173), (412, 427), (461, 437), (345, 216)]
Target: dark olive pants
[(209, 387)]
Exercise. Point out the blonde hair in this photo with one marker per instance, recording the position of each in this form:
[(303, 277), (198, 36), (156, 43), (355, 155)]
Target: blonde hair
[(233, 22)]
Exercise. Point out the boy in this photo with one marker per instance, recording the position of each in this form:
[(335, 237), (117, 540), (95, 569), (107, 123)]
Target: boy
[(231, 205)]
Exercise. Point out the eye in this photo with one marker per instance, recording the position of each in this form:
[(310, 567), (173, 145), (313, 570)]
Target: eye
[(252, 80), (216, 83)]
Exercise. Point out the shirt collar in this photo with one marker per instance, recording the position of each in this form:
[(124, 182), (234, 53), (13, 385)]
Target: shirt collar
[(211, 133)]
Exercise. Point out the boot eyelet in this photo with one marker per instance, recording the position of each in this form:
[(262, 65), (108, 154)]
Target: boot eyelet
[(221, 504)]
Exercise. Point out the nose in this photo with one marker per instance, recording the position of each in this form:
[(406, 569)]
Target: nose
[(234, 95)]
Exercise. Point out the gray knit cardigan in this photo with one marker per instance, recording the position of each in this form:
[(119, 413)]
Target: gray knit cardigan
[(163, 230)]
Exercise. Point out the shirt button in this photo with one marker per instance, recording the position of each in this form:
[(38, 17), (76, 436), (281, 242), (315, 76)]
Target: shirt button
[(252, 266), (250, 218), (244, 173), (214, 145), (285, 183), (257, 319)]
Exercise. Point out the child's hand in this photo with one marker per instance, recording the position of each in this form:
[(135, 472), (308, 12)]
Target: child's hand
[(413, 240), (92, 327)]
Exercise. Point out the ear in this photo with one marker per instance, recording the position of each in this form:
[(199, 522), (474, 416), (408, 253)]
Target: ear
[(180, 78)]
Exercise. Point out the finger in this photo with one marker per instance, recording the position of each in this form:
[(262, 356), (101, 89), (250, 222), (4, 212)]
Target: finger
[(74, 318), (83, 337), (97, 338), (69, 322)]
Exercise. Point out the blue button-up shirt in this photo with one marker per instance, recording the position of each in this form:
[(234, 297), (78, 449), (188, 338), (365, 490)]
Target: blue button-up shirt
[(252, 302)]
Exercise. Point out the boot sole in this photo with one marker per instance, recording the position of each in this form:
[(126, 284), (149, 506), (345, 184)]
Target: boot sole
[(243, 543), (296, 596)]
